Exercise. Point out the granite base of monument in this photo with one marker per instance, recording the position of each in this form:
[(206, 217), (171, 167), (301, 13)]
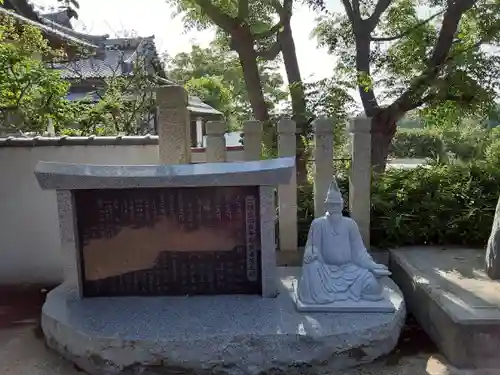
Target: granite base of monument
[(384, 305), (453, 299), (231, 334)]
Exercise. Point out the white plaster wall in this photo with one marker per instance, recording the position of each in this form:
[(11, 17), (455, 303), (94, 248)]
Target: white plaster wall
[(29, 228)]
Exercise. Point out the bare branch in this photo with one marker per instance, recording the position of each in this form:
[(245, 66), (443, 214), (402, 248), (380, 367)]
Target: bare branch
[(406, 32)]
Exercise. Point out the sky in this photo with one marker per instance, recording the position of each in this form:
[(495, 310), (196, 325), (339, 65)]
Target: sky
[(155, 17)]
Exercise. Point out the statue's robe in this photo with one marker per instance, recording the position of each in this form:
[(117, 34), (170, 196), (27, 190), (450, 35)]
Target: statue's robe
[(341, 269)]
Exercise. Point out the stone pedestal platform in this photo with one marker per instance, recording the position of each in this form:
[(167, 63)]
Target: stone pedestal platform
[(454, 300), (215, 334)]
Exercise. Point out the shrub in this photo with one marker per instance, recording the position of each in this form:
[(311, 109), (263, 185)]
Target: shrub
[(492, 152), (438, 205), (413, 143), (466, 144), (442, 205)]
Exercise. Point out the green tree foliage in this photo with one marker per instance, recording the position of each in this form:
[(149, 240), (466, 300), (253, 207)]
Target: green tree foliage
[(403, 55), (248, 28), (30, 94), (125, 105), (257, 29), (218, 71)]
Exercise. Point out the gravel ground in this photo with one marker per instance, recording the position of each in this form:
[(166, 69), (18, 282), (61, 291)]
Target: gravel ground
[(23, 351)]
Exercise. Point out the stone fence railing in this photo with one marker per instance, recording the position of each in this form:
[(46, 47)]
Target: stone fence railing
[(30, 246), (175, 148)]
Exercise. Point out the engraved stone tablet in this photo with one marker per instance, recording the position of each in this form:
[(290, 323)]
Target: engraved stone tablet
[(169, 241)]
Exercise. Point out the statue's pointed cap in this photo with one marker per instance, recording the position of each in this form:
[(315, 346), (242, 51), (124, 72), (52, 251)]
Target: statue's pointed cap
[(333, 195)]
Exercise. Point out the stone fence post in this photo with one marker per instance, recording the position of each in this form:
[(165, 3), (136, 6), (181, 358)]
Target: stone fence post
[(216, 141), (360, 176), (287, 194), (323, 162), (174, 130), (252, 139)]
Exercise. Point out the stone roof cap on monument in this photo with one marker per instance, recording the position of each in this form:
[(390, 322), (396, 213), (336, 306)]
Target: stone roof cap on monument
[(67, 176)]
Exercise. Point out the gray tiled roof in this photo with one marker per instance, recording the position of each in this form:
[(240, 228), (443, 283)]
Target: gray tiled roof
[(78, 141), (195, 105), (108, 64), (60, 18), (51, 20), (232, 141), (47, 29)]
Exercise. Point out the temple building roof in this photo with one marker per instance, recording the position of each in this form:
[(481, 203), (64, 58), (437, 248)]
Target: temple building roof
[(58, 36), (61, 18), (110, 57), (117, 58)]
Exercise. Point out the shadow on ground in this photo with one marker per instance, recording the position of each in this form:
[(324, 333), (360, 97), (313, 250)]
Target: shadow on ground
[(21, 305), (413, 341)]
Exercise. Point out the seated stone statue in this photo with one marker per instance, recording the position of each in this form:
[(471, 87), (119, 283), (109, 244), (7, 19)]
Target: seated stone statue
[(337, 266)]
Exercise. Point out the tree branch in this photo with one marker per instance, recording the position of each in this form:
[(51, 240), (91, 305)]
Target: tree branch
[(285, 10), (350, 14), (355, 8), (268, 33), (406, 32), (270, 53), (380, 8), (464, 99), (438, 58), (221, 19), (242, 10)]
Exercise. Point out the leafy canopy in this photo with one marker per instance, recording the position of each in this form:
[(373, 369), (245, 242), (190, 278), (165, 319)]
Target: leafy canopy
[(30, 94), (436, 55), (215, 75)]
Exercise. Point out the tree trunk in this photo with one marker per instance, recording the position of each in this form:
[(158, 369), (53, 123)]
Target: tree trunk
[(242, 42), (383, 130), (297, 95), (254, 87)]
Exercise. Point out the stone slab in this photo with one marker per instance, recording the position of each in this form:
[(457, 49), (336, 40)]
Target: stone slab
[(217, 334), (456, 303), (67, 176), (383, 306)]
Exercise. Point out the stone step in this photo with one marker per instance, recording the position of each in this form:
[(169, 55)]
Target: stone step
[(453, 299)]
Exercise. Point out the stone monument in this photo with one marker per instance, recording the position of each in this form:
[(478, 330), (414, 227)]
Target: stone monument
[(492, 261), (338, 274), (168, 230), (172, 269)]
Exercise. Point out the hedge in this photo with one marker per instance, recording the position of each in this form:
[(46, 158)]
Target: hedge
[(439, 205), (416, 144), (466, 145)]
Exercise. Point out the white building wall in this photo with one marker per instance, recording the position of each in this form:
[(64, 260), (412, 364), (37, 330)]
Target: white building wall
[(29, 228)]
